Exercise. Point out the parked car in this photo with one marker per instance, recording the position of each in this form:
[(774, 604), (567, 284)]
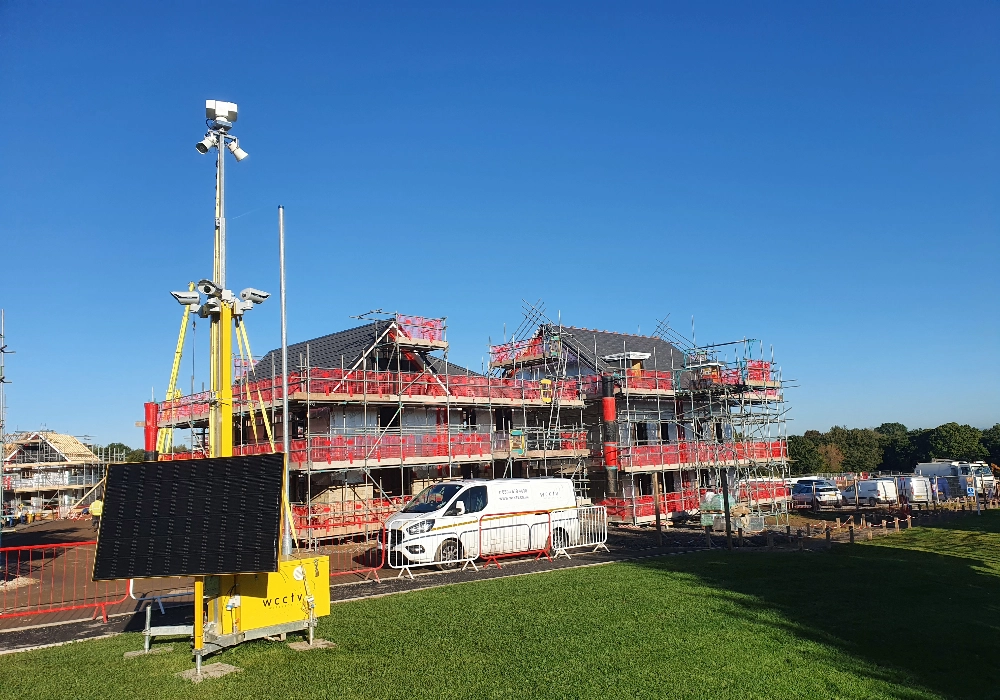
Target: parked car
[(871, 492), (816, 494), (450, 522), (961, 476), (916, 489)]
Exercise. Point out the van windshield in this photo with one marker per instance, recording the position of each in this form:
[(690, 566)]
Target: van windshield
[(432, 498)]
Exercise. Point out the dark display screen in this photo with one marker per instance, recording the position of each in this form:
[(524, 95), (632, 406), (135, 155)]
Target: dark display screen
[(190, 518)]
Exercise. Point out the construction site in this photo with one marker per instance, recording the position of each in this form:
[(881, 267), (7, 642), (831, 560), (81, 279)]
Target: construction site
[(640, 424)]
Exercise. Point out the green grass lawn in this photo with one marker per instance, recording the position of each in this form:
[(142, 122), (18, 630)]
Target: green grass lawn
[(910, 616)]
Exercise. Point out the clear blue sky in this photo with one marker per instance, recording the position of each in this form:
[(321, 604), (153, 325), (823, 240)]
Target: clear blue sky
[(823, 176)]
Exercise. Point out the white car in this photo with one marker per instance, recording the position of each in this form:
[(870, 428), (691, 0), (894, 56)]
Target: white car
[(456, 521), (816, 494)]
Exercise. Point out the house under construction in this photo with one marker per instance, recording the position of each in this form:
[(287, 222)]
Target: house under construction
[(377, 412), (45, 470)]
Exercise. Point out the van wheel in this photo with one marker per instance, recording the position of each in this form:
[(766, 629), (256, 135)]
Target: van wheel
[(872, 502), (449, 554), (560, 540)]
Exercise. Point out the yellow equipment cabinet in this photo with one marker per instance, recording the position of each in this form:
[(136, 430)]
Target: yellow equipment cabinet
[(250, 606)]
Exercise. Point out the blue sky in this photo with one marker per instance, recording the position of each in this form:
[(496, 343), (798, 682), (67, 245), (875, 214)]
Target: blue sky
[(822, 176)]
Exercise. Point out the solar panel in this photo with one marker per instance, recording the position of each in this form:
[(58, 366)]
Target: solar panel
[(190, 518)]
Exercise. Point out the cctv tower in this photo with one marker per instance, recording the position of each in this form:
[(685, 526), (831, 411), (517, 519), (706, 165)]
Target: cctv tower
[(221, 305)]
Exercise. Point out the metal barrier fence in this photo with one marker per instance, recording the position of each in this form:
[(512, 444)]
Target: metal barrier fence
[(53, 578)]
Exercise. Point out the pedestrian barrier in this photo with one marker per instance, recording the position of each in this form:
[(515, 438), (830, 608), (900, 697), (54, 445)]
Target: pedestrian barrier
[(516, 534), (53, 578), (584, 526), (460, 546)]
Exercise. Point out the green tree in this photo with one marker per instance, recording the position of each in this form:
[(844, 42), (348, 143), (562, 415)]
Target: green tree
[(991, 442), (897, 452), (861, 447), (803, 455), (920, 444), (135, 456), (832, 457), (954, 441)]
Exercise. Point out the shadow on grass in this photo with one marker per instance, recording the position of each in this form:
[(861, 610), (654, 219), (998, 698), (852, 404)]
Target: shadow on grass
[(922, 606)]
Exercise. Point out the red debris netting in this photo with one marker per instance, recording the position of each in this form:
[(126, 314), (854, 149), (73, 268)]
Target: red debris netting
[(357, 448), (175, 456), (421, 328), (758, 371), (521, 350), (763, 490), (692, 452), (344, 518), (689, 498), (358, 383)]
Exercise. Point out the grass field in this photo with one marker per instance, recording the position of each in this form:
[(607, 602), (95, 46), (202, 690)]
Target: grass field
[(910, 616)]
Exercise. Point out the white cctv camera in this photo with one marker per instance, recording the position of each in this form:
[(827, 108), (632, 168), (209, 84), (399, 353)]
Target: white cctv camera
[(186, 298), (212, 306), (254, 295), (206, 144), (209, 288), (234, 148)]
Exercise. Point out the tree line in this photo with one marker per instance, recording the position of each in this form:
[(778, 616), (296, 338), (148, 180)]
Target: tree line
[(890, 447)]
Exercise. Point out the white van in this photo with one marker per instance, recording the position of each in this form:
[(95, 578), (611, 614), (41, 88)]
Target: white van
[(916, 489), (871, 492), (455, 521)]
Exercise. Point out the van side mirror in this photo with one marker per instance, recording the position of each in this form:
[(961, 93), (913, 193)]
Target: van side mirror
[(460, 507)]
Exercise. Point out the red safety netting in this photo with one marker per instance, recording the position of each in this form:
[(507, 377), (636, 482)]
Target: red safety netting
[(522, 350), (758, 371), (360, 383), (688, 498), (344, 518), (692, 452), (421, 328)]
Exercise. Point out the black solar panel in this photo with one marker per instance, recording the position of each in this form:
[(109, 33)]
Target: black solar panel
[(190, 518)]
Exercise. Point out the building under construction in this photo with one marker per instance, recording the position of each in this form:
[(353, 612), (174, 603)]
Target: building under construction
[(49, 471), (377, 411)]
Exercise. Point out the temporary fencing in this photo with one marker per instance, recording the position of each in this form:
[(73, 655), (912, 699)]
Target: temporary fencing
[(54, 578), (457, 546), (582, 526)]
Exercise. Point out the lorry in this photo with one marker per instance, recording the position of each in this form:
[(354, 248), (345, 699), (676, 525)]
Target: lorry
[(452, 522), (962, 478)]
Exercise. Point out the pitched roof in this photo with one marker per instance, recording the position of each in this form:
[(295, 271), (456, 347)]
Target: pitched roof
[(340, 349), (70, 448), (667, 356)]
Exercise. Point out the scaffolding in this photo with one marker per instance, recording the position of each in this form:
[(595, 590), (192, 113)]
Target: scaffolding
[(367, 435), (553, 441), (46, 471)]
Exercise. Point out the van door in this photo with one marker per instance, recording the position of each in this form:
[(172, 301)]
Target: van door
[(499, 531), (474, 501)]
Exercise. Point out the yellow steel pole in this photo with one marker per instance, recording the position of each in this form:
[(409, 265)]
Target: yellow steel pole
[(225, 395)]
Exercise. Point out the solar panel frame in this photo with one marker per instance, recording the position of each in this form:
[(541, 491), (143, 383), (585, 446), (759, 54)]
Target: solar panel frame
[(190, 518)]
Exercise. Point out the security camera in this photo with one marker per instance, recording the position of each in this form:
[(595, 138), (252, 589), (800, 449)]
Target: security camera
[(209, 288), (186, 298), (234, 148), (254, 295), (206, 144), (217, 109), (240, 307), (212, 306)]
